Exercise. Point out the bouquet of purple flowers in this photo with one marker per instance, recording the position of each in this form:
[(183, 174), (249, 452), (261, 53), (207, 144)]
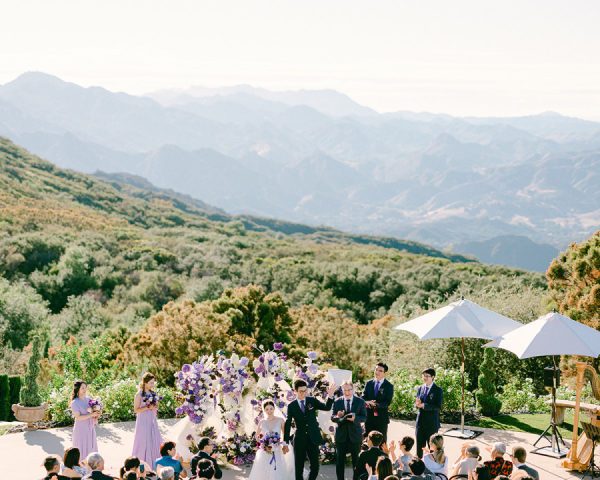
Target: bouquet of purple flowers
[(94, 405), (151, 399), (269, 440)]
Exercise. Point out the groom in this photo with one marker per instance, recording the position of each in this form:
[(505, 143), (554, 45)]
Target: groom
[(307, 438)]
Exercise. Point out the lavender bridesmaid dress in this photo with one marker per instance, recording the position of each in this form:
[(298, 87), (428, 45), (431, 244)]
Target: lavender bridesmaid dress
[(146, 444), (84, 431)]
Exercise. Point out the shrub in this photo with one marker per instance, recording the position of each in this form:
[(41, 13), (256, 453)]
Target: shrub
[(15, 393), (4, 398), (59, 405), (519, 397), (405, 391), (118, 400), (450, 381), (30, 396), (487, 401), (166, 407)]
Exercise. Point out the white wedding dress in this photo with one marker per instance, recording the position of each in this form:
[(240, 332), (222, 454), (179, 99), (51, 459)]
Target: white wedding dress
[(273, 465)]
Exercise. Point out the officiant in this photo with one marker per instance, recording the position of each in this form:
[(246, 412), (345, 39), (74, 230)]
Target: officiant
[(349, 413), (378, 395)]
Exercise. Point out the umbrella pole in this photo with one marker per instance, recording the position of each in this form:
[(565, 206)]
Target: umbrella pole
[(462, 407)]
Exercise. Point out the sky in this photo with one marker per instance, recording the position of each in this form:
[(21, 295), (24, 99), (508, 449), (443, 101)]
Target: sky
[(461, 57)]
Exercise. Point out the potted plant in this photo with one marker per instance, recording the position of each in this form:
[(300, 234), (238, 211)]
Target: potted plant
[(31, 409)]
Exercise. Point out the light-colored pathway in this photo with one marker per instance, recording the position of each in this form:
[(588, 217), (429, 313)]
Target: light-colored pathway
[(21, 454)]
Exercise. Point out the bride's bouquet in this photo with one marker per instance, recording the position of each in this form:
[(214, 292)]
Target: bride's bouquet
[(269, 440)]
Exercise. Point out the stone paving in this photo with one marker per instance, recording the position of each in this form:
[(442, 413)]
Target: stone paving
[(21, 454)]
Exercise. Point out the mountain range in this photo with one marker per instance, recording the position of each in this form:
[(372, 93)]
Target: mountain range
[(470, 185)]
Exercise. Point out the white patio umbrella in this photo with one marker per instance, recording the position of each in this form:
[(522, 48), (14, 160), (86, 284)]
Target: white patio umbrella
[(461, 319), (550, 335)]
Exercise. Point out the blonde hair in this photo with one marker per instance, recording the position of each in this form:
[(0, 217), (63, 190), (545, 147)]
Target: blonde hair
[(147, 377), (438, 441)]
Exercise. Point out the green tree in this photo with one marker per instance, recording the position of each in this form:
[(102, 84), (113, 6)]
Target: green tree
[(4, 398), (574, 281), (15, 393), (487, 399), (83, 318), (22, 310), (30, 396)]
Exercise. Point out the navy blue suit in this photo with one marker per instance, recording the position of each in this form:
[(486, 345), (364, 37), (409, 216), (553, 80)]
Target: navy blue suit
[(428, 417), (348, 435), (308, 437), (378, 418)]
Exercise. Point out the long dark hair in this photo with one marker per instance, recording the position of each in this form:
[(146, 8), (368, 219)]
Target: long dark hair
[(384, 468), (76, 386), (131, 463), (147, 377), (71, 457)]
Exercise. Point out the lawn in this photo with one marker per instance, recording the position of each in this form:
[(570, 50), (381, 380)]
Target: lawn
[(529, 423)]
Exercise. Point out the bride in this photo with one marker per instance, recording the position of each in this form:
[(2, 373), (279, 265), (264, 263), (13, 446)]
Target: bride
[(273, 464)]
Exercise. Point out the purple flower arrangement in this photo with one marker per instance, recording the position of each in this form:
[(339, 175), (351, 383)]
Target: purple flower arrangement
[(94, 405), (269, 440), (197, 383), (151, 398), (238, 449)]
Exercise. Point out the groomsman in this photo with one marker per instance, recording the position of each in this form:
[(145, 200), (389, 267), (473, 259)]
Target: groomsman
[(349, 413), (302, 412), (378, 395), (428, 402)]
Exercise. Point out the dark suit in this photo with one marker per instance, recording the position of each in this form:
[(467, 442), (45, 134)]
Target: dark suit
[(348, 434), (307, 437), (201, 456), (378, 417), (428, 417), (55, 476), (368, 457), (98, 475)]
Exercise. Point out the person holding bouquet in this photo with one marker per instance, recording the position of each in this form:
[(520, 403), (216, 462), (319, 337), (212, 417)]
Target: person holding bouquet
[(147, 440), (270, 462), (86, 412)]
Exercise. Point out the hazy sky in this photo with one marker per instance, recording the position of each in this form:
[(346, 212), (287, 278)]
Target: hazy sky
[(474, 57)]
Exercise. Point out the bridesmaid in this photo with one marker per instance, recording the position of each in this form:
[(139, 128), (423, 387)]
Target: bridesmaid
[(84, 430), (146, 444)]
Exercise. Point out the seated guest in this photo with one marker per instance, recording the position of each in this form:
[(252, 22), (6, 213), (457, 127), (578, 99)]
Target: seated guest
[(519, 456), (134, 465), (95, 463), (71, 465), (435, 460), (166, 473), (205, 469), (130, 476), (480, 473), (468, 462), (370, 456), (205, 452), (417, 470), (401, 464), (52, 466), (170, 458), (382, 470), (498, 465)]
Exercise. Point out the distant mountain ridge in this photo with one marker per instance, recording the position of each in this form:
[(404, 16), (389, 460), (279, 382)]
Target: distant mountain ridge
[(432, 178)]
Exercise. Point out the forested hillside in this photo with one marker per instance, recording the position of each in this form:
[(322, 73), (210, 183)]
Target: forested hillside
[(83, 257)]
